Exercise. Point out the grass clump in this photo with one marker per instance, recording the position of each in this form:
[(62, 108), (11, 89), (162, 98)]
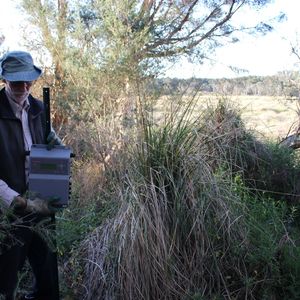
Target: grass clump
[(267, 167), (189, 221), (175, 235)]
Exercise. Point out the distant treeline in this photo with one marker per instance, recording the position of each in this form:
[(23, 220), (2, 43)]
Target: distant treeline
[(283, 84)]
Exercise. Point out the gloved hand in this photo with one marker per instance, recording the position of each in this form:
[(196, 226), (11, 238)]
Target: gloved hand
[(52, 140), (19, 204), (42, 207)]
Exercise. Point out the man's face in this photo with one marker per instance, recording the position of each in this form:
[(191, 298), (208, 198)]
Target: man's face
[(18, 90)]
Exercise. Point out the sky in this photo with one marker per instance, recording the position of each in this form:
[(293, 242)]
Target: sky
[(260, 56)]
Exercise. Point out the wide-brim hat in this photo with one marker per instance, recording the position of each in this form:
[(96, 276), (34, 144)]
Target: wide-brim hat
[(18, 66)]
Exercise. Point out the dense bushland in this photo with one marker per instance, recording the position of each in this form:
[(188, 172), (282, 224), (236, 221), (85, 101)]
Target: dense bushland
[(187, 209), (192, 207), (282, 84)]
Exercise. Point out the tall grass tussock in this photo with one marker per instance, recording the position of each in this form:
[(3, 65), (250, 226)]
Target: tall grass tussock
[(188, 222)]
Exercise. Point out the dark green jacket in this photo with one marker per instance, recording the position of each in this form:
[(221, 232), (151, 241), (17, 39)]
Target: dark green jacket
[(12, 153)]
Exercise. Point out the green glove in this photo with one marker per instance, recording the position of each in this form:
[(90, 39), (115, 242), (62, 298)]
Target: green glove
[(52, 140), (42, 206)]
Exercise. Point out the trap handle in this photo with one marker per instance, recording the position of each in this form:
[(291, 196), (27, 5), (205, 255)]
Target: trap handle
[(46, 100)]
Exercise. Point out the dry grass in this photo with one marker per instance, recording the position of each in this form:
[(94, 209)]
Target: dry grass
[(270, 116), (145, 253), (177, 233)]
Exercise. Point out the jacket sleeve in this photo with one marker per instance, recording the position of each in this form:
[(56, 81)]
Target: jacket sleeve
[(6, 194)]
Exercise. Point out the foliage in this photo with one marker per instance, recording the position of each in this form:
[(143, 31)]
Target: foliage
[(170, 211), (98, 50), (167, 212), (160, 213), (268, 167), (272, 235), (140, 32), (91, 203), (278, 173), (284, 84), (186, 226), (132, 32)]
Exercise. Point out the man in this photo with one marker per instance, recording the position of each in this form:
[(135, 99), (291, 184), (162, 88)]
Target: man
[(21, 125)]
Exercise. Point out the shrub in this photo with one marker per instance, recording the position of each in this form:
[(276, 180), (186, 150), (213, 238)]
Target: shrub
[(188, 221), (271, 248)]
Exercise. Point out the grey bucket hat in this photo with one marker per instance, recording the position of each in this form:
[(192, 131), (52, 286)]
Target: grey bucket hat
[(18, 66)]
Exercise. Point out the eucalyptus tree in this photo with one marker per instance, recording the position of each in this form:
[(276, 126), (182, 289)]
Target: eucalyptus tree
[(109, 44), (136, 36)]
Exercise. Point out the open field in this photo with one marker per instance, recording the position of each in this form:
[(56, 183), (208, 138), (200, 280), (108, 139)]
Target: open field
[(272, 117)]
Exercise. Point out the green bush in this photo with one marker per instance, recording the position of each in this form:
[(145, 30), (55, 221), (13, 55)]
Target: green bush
[(273, 256)]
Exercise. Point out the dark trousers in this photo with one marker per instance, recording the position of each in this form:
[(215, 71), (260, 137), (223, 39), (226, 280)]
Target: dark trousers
[(22, 242)]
